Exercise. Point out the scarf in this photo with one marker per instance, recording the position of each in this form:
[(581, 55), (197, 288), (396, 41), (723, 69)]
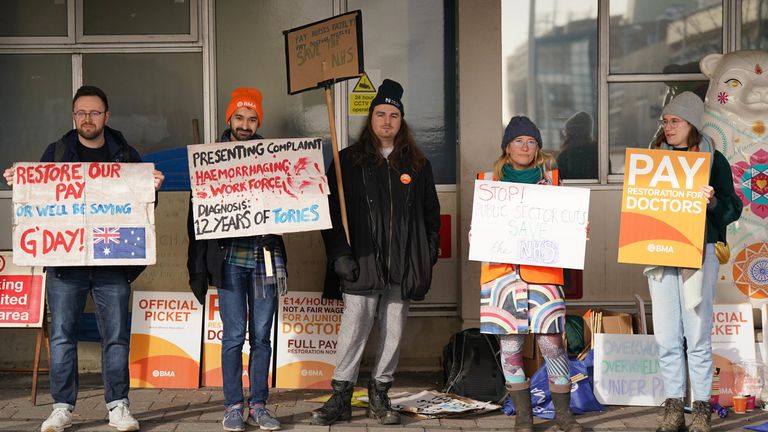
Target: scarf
[(279, 276), (528, 176)]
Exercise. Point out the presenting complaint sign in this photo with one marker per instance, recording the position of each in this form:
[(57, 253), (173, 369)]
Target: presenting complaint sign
[(258, 187)]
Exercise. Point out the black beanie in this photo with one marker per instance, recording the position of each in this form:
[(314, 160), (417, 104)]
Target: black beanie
[(390, 93)]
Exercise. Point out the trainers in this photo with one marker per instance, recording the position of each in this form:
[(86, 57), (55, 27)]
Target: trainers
[(233, 418), (60, 419), (120, 418), (261, 417)]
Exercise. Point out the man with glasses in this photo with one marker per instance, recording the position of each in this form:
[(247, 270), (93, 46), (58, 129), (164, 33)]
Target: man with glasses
[(68, 287)]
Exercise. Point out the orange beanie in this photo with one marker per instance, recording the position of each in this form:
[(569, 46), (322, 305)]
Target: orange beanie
[(245, 97)]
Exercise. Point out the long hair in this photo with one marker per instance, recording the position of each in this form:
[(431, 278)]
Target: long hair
[(406, 150), (542, 159), (694, 138)]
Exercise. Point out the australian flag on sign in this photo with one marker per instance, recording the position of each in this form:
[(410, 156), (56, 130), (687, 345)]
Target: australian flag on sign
[(119, 243)]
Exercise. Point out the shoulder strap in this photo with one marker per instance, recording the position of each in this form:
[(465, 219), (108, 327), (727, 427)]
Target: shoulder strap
[(58, 151)]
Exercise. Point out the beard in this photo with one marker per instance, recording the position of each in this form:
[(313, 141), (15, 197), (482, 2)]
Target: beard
[(243, 134), (91, 133)]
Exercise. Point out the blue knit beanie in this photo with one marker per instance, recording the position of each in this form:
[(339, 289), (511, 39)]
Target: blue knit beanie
[(518, 126)]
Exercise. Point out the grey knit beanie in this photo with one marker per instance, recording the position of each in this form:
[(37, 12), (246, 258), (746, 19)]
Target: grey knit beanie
[(688, 107)]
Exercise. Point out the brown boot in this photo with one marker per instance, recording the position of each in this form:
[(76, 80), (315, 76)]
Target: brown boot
[(520, 393), (561, 398), (338, 407), (673, 418), (702, 417)]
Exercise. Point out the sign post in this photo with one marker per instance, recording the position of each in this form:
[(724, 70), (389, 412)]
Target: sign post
[(321, 54), (22, 304)]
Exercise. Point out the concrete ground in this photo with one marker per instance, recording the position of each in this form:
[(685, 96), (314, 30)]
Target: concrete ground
[(201, 410)]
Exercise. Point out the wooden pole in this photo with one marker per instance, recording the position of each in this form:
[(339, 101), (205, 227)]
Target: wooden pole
[(336, 163), (42, 335), (195, 132)]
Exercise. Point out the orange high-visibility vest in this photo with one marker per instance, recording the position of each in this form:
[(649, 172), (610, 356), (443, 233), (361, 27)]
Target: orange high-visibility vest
[(528, 273)]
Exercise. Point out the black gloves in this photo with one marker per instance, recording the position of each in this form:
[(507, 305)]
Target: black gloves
[(270, 241), (198, 283), (346, 268)]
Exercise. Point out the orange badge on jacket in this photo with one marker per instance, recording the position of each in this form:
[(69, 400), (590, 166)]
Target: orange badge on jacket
[(405, 179)]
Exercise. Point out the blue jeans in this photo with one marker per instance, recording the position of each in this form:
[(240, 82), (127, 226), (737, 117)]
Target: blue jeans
[(236, 298), (672, 321), (66, 298)]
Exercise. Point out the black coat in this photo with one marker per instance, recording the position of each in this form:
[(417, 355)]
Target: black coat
[(394, 227), (205, 258)]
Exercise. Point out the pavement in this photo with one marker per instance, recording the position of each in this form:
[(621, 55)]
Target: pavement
[(202, 409)]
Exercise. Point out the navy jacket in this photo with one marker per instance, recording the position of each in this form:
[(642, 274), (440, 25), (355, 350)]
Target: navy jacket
[(119, 151)]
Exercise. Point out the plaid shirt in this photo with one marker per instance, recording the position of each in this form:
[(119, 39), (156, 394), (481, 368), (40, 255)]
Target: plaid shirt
[(242, 252)]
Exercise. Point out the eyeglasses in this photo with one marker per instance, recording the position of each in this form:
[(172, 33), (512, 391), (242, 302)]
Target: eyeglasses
[(92, 114), (672, 123), (519, 142)]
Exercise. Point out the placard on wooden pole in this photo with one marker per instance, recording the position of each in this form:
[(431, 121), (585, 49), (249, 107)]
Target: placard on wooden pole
[(321, 54)]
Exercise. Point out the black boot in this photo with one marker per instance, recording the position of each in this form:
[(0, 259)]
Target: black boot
[(561, 398), (520, 393), (702, 417), (673, 418), (379, 406), (338, 407)]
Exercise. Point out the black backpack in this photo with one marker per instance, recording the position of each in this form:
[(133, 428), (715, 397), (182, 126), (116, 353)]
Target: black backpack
[(471, 366)]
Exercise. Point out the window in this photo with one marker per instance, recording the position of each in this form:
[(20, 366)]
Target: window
[(654, 52), (145, 54), (412, 53), (549, 73)]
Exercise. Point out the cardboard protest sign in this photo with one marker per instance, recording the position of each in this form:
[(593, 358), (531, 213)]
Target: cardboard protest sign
[(662, 211), (165, 340), (22, 293), (529, 224), (627, 370), (258, 187), (733, 342), (213, 332), (308, 328), (75, 214), (327, 50)]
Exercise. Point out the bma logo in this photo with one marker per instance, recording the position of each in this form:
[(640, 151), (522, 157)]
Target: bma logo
[(160, 373), (660, 248), (310, 372)]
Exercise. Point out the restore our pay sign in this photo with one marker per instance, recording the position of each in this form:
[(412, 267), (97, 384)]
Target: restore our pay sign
[(663, 211), (529, 224), (257, 187), (74, 214)]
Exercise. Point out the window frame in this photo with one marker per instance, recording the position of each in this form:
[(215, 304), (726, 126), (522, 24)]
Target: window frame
[(731, 34), (192, 36), (38, 40)]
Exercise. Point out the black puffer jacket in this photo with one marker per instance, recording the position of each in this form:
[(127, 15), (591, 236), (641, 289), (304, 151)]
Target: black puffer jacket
[(394, 223)]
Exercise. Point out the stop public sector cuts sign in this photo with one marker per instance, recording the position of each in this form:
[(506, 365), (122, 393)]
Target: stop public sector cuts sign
[(662, 210)]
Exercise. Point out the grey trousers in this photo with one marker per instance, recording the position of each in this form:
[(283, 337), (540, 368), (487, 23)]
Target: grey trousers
[(356, 323)]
